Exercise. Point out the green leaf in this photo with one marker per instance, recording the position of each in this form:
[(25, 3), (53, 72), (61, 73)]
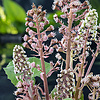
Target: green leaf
[(68, 99), (14, 11), (10, 73), (52, 92), (38, 61), (12, 76), (82, 97)]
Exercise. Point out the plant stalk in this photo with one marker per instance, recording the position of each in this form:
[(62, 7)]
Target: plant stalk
[(71, 60), (94, 92), (69, 40), (42, 63), (92, 62), (29, 88), (81, 70)]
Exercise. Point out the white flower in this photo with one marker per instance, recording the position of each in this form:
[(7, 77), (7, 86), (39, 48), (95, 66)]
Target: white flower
[(58, 56)]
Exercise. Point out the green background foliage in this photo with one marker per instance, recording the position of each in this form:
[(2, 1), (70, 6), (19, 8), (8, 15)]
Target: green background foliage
[(12, 18), (12, 76)]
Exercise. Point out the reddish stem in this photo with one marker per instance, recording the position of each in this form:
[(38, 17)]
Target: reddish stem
[(42, 63), (81, 70), (92, 62), (69, 40)]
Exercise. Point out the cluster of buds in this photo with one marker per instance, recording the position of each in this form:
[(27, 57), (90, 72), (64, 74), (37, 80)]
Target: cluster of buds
[(21, 63), (93, 83), (25, 87), (66, 6), (23, 91), (35, 40), (89, 24), (65, 84)]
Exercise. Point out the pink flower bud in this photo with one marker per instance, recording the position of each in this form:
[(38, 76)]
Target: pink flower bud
[(26, 23), (51, 50), (20, 90), (64, 9), (60, 3), (30, 41), (38, 67), (56, 19), (52, 34), (27, 29), (41, 24), (25, 37), (46, 47), (25, 44), (46, 22), (52, 27), (74, 10), (35, 39), (30, 24), (31, 32), (34, 16), (63, 16), (33, 64), (26, 19), (41, 75), (45, 38), (33, 45), (19, 84), (51, 63)]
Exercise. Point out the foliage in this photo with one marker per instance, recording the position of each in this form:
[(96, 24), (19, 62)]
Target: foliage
[(10, 73), (5, 24), (68, 99), (12, 76), (38, 62), (7, 49), (12, 18), (75, 44), (2, 62)]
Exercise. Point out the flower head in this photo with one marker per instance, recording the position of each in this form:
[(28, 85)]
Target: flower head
[(21, 65)]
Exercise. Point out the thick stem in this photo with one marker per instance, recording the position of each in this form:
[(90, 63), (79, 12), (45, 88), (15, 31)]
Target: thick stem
[(71, 60), (69, 39), (29, 88), (81, 70), (94, 92), (42, 63), (92, 62)]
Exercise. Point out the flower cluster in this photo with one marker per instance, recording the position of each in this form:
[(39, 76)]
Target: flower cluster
[(93, 82), (65, 84), (36, 40), (21, 65), (23, 69), (68, 8), (74, 45), (88, 25), (27, 91)]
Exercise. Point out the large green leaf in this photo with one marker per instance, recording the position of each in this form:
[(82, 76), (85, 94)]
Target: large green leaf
[(10, 73), (38, 61), (68, 99), (12, 76), (14, 11)]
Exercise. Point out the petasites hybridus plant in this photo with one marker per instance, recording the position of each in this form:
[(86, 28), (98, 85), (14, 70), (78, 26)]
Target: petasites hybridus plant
[(75, 44)]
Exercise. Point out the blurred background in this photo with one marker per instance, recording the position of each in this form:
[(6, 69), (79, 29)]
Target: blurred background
[(12, 29)]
